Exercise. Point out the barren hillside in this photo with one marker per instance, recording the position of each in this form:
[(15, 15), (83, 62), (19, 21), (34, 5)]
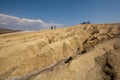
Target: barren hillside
[(81, 52), (4, 31)]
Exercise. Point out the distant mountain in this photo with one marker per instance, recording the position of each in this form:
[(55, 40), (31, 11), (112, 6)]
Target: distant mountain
[(4, 31)]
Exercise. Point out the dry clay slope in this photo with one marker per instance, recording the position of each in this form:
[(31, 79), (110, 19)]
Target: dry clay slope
[(88, 52)]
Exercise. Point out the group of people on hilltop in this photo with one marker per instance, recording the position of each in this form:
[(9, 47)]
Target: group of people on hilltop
[(86, 22), (53, 27)]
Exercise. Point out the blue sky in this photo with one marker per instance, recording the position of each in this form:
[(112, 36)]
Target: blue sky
[(66, 12)]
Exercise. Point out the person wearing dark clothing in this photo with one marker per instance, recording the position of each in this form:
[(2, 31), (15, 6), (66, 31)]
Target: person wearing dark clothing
[(51, 27)]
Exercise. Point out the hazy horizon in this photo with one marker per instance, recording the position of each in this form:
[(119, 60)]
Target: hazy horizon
[(41, 14)]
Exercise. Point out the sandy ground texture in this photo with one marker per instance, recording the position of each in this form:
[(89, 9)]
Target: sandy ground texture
[(81, 52)]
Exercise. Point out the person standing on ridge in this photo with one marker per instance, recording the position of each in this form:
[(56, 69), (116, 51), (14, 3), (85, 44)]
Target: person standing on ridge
[(54, 27), (51, 27)]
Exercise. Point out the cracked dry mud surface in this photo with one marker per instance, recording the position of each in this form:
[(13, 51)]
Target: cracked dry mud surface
[(81, 52)]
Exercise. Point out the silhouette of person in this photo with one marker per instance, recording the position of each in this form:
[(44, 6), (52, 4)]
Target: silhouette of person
[(51, 27), (87, 22), (54, 27)]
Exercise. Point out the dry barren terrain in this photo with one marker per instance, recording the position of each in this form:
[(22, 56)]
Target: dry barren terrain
[(81, 52)]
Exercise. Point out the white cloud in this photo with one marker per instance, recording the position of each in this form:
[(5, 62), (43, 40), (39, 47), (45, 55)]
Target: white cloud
[(12, 22)]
